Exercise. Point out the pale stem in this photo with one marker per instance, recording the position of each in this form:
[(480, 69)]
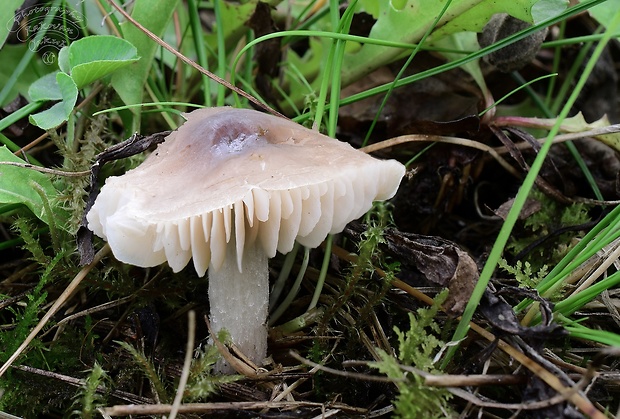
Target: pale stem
[(240, 301)]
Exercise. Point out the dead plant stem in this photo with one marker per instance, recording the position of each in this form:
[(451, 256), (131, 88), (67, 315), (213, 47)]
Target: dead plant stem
[(62, 299), (189, 350), (569, 393), (193, 64)]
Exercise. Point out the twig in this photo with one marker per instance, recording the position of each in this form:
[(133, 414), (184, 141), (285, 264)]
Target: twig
[(62, 299), (327, 414), (238, 366), (76, 382), (91, 310), (4, 415), (191, 334), (403, 139), (456, 380), (480, 402), (565, 137), (347, 374), (496, 151), (45, 169), (194, 64), (572, 394), (287, 392), (162, 409), (451, 383)]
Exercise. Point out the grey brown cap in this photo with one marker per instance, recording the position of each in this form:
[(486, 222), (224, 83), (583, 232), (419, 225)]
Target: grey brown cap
[(241, 174)]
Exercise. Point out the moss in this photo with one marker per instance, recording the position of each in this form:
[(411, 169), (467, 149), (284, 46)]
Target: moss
[(417, 348), (541, 240)]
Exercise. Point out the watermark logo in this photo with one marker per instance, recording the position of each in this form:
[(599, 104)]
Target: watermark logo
[(46, 29), (48, 57)]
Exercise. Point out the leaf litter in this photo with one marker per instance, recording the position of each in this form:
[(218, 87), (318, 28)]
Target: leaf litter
[(446, 216)]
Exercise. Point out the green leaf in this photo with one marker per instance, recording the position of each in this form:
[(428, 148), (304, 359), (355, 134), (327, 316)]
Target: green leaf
[(7, 13), (546, 9), (464, 41), (46, 88), (233, 17), (94, 57), (87, 60), (409, 24), (129, 81), (604, 12), (578, 123), (63, 60), (307, 67), (474, 17), (16, 185), (10, 57), (59, 113), (369, 6)]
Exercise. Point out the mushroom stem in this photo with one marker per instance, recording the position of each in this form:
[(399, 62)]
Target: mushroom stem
[(239, 302)]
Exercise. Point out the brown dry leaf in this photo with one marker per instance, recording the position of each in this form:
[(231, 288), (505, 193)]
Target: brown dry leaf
[(443, 105), (531, 206), (437, 260), (502, 317)]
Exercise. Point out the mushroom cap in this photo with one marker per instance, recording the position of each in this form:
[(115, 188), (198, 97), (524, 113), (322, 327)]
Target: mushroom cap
[(237, 176)]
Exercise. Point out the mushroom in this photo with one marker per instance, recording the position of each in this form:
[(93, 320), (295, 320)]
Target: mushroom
[(228, 189)]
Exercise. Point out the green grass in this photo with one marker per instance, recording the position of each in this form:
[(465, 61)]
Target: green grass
[(341, 304)]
